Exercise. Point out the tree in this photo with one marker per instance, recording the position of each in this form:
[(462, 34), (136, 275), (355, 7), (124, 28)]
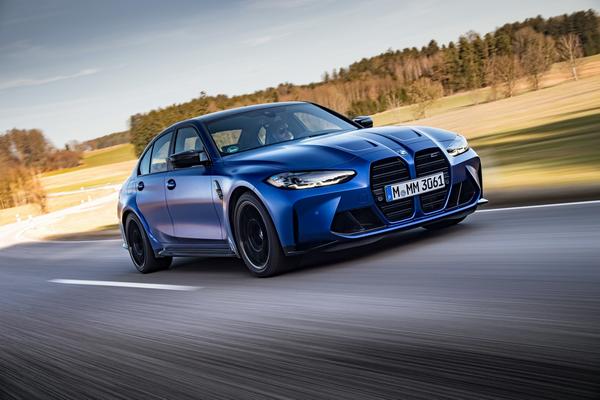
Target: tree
[(507, 69), (423, 93), (469, 70), (570, 51), (536, 53), (452, 68), (37, 193)]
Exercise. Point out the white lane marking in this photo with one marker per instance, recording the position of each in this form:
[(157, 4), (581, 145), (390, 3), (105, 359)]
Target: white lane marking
[(125, 284), (575, 203)]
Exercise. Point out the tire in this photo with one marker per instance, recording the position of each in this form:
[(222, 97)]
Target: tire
[(140, 250), (443, 224), (256, 238)]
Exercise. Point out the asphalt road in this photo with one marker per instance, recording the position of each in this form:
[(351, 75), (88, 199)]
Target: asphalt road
[(505, 305)]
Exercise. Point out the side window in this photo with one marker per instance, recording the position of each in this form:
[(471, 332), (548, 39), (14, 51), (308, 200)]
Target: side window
[(160, 152), (187, 139), (145, 162)]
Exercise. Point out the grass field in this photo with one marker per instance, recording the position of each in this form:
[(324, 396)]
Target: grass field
[(559, 73), (97, 158), (109, 166)]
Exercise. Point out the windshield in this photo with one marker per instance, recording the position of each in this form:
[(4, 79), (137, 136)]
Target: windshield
[(267, 126)]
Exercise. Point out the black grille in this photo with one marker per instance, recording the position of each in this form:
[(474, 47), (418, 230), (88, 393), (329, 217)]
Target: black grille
[(385, 172), (429, 162)]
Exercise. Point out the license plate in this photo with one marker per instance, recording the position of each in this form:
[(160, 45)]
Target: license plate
[(416, 186)]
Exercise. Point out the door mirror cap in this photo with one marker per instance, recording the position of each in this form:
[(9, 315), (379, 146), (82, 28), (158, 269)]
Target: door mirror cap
[(189, 158), (364, 121)]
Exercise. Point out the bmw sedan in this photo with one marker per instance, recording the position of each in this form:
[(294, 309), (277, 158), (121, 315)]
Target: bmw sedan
[(268, 183)]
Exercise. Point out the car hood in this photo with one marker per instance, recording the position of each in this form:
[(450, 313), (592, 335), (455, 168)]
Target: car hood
[(334, 150)]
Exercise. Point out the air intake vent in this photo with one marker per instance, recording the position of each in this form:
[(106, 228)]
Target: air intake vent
[(429, 162), (357, 220), (385, 172), (462, 193)]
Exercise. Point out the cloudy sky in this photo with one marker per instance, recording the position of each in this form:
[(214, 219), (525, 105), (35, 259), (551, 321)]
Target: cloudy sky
[(78, 69)]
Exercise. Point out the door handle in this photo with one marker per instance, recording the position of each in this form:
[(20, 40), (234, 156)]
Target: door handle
[(171, 184), (140, 186)]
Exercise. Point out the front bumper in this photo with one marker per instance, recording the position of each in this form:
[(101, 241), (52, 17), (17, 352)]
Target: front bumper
[(315, 218), (375, 236)]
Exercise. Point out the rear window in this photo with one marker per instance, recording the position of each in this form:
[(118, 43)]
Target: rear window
[(160, 152), (145, 162)]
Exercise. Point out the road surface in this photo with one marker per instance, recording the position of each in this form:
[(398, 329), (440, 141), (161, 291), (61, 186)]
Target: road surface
[(503, 306)]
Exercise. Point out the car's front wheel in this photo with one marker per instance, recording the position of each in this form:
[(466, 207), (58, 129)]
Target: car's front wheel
[(256, 238), (140, 249)]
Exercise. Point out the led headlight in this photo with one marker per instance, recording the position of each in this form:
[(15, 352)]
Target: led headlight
[(309, 179), (458, 146)]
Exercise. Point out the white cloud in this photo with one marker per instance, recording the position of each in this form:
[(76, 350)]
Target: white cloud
[(282, 4), (257, 41), (260, 40), (23, 82)]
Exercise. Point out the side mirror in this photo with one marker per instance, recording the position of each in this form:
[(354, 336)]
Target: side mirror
[(189, 158), (364, 121)]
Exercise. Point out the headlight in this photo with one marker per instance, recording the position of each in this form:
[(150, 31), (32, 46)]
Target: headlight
[(309, 179), (458, 146)]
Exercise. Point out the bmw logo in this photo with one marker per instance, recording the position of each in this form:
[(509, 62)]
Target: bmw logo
[(403, 152)]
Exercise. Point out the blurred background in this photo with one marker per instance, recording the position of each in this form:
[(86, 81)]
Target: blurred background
[(84, 86), (502, 306)]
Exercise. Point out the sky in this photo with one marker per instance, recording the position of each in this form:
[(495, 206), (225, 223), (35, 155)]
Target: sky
[(78, 69)]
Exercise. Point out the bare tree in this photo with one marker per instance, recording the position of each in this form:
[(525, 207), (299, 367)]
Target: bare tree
[(37, 193), (508, 70), (570, 51), (424, 92), (492, 80), (536, 53)]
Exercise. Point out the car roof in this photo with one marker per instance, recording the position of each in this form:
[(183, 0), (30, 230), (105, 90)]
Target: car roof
[(233, 111)]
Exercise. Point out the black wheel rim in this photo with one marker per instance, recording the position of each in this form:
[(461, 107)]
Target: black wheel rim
[(253, 235), (136, 244)]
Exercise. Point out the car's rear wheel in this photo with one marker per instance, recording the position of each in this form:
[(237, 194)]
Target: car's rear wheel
[(443, 224), (140, 249), (257, 239)]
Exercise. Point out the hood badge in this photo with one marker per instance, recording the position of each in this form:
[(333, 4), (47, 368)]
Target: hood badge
[(403, 152)]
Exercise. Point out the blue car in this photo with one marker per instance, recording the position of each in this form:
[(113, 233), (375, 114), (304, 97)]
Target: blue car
[(268, 183)]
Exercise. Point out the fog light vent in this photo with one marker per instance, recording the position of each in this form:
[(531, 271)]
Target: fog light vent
[(357, 220)]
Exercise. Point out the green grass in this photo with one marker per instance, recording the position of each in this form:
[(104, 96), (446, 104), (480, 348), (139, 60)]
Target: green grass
[(96, 158), (110, 155)]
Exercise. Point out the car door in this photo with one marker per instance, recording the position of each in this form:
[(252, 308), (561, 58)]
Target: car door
[(150, 186), (190, 193)]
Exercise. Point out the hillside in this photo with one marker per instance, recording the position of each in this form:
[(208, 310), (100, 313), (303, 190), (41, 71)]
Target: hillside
[(519, 50)]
